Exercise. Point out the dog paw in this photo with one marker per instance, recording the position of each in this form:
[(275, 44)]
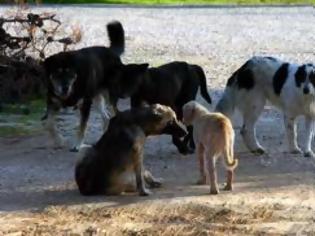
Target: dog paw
[(59, 143), (77, 148), (185, 150), (74, 149), (145, 192), (201, 181), (259, 151), (296, 150), (309, 154), (214, 191), (156, 184), (228, 187)]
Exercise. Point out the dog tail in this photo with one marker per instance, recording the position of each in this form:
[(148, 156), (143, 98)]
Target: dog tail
[(226, 104), (230, 162), (203, 83), (116, 36)]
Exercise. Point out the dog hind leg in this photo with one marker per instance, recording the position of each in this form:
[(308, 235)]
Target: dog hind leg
[(201, 158), (102, 110), (251, 112), (229, 180), (211, 164)]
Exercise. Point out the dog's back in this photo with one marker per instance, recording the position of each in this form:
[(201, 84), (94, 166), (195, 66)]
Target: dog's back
[(170, 83), (266, 78)]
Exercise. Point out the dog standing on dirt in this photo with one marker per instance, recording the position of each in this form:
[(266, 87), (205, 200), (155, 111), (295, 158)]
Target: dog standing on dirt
[(172, 84), (290, 87), (214, 137), (106, 167), (79, 78)]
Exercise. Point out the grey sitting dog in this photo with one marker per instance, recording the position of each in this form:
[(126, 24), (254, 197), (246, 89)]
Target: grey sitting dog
[(106, 167)]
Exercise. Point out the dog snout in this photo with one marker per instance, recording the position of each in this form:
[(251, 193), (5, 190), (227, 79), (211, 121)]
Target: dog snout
[(306, 90), (181, 130), (175, 128)]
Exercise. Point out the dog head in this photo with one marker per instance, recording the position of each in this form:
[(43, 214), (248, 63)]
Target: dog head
[(162, 120), (60, 75), (129, 79), (305, 79), (62, 80), (191, 110)]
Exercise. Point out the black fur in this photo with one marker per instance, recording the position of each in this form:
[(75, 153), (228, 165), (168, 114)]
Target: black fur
[(300, 75), (173, 84), (272, 59), (243, 77), (93, 70), (312, 77), (116, 36), (280, 78), (120, 148)]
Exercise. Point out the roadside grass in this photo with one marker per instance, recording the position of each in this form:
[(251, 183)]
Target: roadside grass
[(17, 119), (183, 2)]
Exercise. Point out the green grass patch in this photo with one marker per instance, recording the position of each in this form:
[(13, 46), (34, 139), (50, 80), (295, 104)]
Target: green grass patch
[(21, 119), (13, 131), (157, 2)]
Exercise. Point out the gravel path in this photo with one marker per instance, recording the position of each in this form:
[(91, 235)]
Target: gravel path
[(219, 39)]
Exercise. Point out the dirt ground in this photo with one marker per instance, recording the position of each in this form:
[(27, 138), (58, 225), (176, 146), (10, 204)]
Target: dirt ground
[(274, 194)]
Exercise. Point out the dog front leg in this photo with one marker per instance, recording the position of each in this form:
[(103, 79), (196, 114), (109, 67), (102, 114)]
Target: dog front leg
[(85, 113), (151, 180), (309, 131), (290, 125), (140, 178), (49, 123)]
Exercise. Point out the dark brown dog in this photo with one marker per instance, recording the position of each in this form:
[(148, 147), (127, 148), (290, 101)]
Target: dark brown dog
[(105, 167)]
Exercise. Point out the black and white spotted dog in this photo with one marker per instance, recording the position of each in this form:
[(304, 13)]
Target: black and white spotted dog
[(288, 86)]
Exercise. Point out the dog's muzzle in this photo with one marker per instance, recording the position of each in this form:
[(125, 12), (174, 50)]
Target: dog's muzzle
[(306, 90), (175, 128)]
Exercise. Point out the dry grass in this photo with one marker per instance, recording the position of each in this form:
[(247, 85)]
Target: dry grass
[(157, 218)]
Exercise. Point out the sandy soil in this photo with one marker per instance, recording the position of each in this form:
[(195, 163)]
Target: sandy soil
[(274, 194)]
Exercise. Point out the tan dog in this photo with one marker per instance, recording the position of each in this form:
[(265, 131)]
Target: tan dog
[(214, 137)]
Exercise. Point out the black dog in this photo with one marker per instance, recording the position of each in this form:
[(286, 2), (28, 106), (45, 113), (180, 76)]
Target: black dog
[(105, 166), (78, 78), (173, 85)]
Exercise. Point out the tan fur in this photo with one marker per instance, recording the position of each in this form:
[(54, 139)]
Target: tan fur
[(214, 137)]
